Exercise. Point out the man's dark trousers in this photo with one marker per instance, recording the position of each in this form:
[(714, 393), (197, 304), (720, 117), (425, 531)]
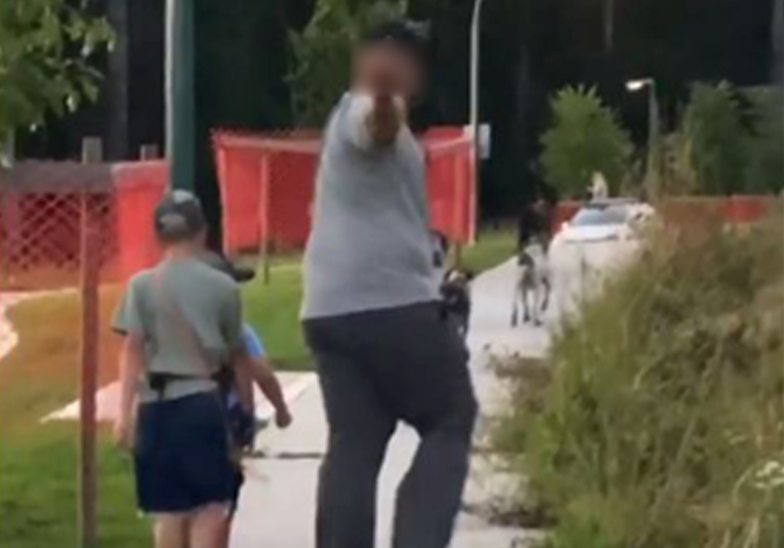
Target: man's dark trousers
[(377, 368)]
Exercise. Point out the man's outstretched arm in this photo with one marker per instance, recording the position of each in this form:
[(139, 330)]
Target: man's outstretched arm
[(375, 122)]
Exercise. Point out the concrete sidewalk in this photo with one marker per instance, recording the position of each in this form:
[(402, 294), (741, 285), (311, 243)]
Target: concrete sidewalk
[(278, 504)]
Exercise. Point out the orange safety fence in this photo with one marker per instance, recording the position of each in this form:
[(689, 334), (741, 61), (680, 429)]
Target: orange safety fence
[(81, 228), (44, 207), (267, 186)]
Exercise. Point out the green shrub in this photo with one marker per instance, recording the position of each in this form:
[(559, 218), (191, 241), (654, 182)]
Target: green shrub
[(322, 52), (585, 138), (677, 176), (713, 123), (658, 419), (765, 145)]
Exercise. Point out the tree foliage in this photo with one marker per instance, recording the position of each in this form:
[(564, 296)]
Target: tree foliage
[(764, 170), (585, 137), (46, 49), (657, 418), (714, 124), (322, 53), (729, 142)]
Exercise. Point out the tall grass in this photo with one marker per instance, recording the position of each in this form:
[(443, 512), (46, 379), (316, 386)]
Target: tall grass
[(658, 419)]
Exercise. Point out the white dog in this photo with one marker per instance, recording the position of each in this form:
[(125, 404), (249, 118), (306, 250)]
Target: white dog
[(533, 280)]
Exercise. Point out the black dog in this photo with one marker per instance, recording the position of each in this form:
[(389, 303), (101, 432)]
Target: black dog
[(456, 298)]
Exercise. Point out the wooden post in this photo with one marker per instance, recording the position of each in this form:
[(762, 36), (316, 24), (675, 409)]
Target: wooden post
[(92, 151), (264, 213), (457, 209), (149, 152), (10, 218)]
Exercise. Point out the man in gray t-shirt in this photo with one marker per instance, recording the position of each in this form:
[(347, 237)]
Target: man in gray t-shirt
[(371, 315)]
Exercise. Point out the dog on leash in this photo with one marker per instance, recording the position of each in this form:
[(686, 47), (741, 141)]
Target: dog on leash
[(456, 298), (454, 286), (533, 284)]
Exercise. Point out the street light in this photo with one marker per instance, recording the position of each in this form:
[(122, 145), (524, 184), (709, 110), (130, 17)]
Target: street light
[(473, 117), (634, 86), (637, 85)]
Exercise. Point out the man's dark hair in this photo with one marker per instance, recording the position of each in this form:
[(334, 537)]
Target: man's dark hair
[(406, 35)]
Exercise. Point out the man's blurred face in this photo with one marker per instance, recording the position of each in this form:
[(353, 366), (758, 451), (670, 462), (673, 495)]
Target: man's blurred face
[(387, 69)]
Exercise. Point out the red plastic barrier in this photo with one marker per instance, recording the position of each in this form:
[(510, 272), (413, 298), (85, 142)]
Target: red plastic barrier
[(42, 213), (139, 187), (267, 186), (564, 212), (747, 209)]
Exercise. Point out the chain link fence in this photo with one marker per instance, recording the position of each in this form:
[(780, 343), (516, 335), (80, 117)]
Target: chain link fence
[(267, 187), (70, 235)]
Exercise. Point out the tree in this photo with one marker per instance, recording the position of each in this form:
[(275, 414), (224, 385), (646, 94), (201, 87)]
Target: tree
[(714, 124), (764, 151), (46, 49), (609, 25), (585, 137), (322, 53)]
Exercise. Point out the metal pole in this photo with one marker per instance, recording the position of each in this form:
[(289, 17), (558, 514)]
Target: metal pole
[(653, 127), (180, 93), (476, 23), (609, 25), (264, 214)]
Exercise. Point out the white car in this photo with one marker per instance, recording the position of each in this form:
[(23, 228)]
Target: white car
[(604, 221)]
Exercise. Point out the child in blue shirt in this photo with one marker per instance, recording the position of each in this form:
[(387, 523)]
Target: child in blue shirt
[(252, 366)]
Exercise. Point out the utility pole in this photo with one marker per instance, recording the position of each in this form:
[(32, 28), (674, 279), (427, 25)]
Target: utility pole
[(653, 119), (476, 25), (777, 41), (609, 26), (180, 93)]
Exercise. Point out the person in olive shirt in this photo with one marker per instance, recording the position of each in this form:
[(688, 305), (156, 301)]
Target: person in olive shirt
[(181, 322)]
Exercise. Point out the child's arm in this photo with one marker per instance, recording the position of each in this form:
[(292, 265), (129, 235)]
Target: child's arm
[(260, 371), (244, 384), (130, 368), (129, 323)]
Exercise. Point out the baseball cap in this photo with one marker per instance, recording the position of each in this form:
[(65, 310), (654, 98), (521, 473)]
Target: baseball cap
[(218, 261), (179, 217)]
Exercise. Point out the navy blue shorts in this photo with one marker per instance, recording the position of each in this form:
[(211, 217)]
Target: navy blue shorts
[(182, 458)]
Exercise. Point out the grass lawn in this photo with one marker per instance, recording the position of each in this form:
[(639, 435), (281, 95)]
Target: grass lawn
[(38, 462), (491, 249), (273, 308), (38, 503)]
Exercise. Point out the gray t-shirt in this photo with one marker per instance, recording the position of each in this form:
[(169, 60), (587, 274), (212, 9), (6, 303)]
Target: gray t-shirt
[(370, 247), (168, 307)]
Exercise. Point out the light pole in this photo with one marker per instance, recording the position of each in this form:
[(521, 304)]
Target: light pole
[(180, 93), (653, 117), (473, 118)]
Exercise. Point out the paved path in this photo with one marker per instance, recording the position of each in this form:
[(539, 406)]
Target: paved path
[(278, 507), (278, 501), (107, 399)]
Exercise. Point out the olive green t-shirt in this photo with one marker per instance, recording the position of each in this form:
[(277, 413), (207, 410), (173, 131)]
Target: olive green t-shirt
[(169, 308)]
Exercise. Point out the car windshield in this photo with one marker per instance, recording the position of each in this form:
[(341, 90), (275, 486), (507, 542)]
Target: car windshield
[(594, 216)]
